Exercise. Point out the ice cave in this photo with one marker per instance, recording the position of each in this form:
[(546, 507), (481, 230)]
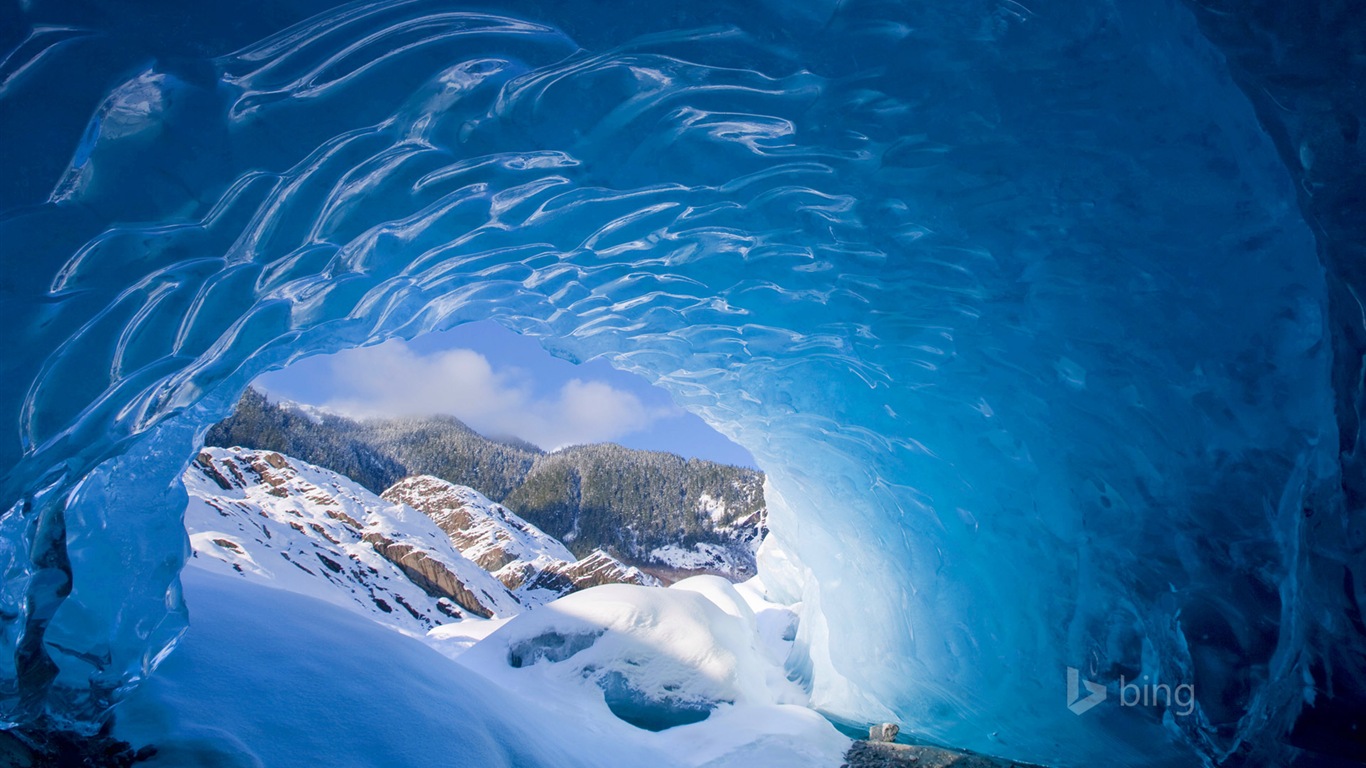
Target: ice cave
[(1043, 319)]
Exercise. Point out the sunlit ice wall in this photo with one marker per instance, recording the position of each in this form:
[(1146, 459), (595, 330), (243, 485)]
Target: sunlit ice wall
[(1013, 306)]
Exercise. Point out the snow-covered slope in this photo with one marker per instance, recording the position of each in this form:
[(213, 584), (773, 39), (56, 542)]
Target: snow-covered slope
[(598, 568), (290, 525), (675, 517), (487, 533), (687, 677), (658, 657), (616, 675), (535, 565), (738, 536), (269, 679)]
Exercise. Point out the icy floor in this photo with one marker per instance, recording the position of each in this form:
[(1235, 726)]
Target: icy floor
[(266, 677)]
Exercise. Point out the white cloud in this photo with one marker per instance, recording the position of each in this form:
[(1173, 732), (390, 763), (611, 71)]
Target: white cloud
[(391, 380)]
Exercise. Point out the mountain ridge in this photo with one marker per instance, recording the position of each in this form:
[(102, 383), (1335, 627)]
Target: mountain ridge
[(662, 512), (280, 521)]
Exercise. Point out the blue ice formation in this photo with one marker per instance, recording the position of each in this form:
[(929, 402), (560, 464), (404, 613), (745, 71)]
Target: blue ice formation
[(1016, 306)]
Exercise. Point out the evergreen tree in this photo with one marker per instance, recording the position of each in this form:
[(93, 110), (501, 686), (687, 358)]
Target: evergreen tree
[(626, 501)]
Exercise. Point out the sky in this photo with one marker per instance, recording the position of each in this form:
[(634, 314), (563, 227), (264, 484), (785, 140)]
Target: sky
[(502, 385)]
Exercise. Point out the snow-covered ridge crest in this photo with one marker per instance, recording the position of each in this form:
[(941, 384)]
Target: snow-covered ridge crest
[(294, 526), (672, 516), (314, 413), (425, 553), (533, 564), (486, 532)]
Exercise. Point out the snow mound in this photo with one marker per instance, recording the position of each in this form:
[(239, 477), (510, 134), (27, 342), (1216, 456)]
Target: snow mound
[(655, 658), (270, 679)]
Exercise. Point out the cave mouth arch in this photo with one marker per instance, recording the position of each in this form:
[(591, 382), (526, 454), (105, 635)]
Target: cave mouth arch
[(860, 275)]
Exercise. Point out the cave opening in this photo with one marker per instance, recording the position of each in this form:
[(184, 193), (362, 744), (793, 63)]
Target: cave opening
[(596, 458), (357, 479), (1017, 311)]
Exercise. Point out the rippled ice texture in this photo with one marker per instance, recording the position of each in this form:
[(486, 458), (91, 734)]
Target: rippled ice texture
[(1013, 306)]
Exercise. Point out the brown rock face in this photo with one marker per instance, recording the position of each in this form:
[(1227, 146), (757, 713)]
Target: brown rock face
[(873, 754), (429, 574), (431, 497), (520, 555), (600, 568), (205, 463)]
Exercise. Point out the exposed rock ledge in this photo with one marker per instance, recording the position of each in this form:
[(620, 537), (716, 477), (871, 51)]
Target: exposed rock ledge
[(431, 575), (870, 754)]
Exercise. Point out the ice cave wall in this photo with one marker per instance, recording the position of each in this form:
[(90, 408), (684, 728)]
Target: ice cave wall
[(1302, 67), (1015, 306)]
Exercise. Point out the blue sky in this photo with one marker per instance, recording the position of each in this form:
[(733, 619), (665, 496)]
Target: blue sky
[(502, 384)]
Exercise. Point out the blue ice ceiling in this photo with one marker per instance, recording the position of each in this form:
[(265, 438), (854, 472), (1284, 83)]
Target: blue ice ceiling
[(1016, 305)]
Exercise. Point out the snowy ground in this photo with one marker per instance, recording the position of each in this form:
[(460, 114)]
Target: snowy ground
[(292, 660), (701, 661), (267, 677)]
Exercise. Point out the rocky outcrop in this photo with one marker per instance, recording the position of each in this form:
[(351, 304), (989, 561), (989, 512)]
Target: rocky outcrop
[(534, 565), (884, 732), (431, 575), (490, 534), (675, 517), (601, 568), (425, 553), (881, 754), (267, 517), (204, 463)]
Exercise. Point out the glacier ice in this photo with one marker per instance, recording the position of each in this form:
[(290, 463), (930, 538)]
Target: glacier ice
[(1015, 308), (649, 711)]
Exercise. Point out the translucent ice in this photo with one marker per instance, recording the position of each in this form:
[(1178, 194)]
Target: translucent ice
[(1014, 307)]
